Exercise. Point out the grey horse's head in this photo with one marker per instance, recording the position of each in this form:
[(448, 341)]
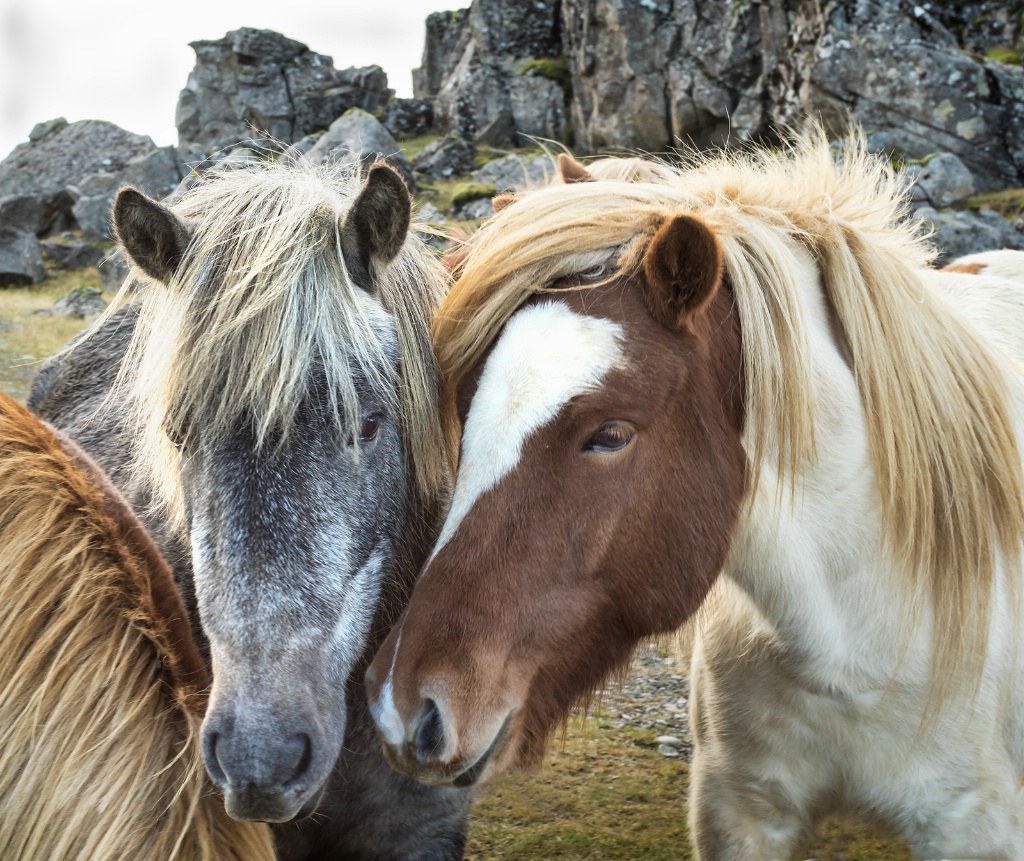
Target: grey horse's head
[(279, 371)]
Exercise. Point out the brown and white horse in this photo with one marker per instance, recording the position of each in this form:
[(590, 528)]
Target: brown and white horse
[(749, 368)]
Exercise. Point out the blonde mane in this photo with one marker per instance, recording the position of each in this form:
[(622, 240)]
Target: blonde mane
[(263, 296), (99, 744), (935, 399)]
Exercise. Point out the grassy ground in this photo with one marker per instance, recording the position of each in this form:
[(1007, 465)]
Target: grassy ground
[(28, 334), (606, 794)]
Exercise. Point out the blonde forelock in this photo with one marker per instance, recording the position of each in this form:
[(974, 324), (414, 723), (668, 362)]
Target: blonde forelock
[(263, 295)]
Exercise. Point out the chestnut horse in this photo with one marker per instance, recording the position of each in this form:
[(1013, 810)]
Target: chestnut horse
[(102, 688), (747, 381)]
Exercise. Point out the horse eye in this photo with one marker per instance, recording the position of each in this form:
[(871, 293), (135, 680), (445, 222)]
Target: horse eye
[(368, 428), (175, 435), (594, 274), (610, 437)]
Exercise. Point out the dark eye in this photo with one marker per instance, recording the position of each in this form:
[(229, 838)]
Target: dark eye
[(610, 437), (175, 434), (594, 274), (368, 428)]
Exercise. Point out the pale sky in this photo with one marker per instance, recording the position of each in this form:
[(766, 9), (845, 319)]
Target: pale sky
[(126, 60)]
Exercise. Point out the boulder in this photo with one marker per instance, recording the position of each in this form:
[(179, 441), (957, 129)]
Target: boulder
[(514, 173), (71, 251), (39, 213), (260, 83), (964, 232), (46, 128), (445, 158), (85, 303), (941, 181), (357, 136), (41, 180), (21, 260), (482, 207), (408, 118)]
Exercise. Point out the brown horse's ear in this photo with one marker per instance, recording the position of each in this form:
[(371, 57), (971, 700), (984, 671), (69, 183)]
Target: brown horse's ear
[(376, 226), (502, 200), (683, 268), (571, 170), (153, 236)]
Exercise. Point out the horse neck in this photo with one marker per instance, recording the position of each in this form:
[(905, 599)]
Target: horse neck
[(806, 554)]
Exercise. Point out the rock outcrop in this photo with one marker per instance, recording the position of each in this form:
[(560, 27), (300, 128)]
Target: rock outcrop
[(66, 174), (257, 83), (647, 74), (939, 88), (494, 72)]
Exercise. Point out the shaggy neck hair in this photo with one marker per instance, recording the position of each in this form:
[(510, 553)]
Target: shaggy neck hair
[(99, 717)]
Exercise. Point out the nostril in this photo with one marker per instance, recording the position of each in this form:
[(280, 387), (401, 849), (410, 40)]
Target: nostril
[(429, 738), (213, 766), (304, 759)]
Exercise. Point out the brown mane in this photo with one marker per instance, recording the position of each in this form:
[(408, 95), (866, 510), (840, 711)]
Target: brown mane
[(102, 687)]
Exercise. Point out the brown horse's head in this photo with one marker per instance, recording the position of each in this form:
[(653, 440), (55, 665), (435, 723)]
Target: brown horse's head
[(600, 480)]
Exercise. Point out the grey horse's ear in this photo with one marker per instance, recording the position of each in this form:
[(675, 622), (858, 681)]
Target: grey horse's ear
[(571, 170), (376, 225), (154, 237)]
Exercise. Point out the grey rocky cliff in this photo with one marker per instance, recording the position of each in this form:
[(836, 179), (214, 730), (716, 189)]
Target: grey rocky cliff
[(649, 73), (479, 66)]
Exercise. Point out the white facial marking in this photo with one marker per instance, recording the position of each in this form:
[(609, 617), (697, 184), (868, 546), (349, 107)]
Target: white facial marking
[(360, 595), (547, 355), (383, 709)]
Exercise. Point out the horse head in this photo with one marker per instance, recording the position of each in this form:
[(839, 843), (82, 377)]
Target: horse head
[(599, 484), (268, 372)]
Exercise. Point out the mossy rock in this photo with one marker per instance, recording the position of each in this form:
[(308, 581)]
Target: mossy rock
[(1009, 203), (414, 146), (464, 192), (1003, 55), (553, 68)]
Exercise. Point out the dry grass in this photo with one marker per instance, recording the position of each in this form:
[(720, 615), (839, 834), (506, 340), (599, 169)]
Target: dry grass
[(606, 794), (28, 334)]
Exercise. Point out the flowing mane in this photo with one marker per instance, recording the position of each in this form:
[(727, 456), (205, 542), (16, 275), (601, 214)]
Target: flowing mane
[(102, 688), (262, 297), (935, 396)]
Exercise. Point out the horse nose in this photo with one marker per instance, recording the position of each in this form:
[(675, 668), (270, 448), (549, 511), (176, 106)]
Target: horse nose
[(429, 739), (240, 761)]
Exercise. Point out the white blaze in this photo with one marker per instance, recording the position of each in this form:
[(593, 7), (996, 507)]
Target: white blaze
[(546, 355)]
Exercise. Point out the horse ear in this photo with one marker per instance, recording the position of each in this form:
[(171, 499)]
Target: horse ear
[(154, 237), (500, 201), (571, 170), (683, 268), (376, 225)]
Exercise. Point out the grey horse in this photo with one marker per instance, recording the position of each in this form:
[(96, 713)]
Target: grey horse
[(268, 404)]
